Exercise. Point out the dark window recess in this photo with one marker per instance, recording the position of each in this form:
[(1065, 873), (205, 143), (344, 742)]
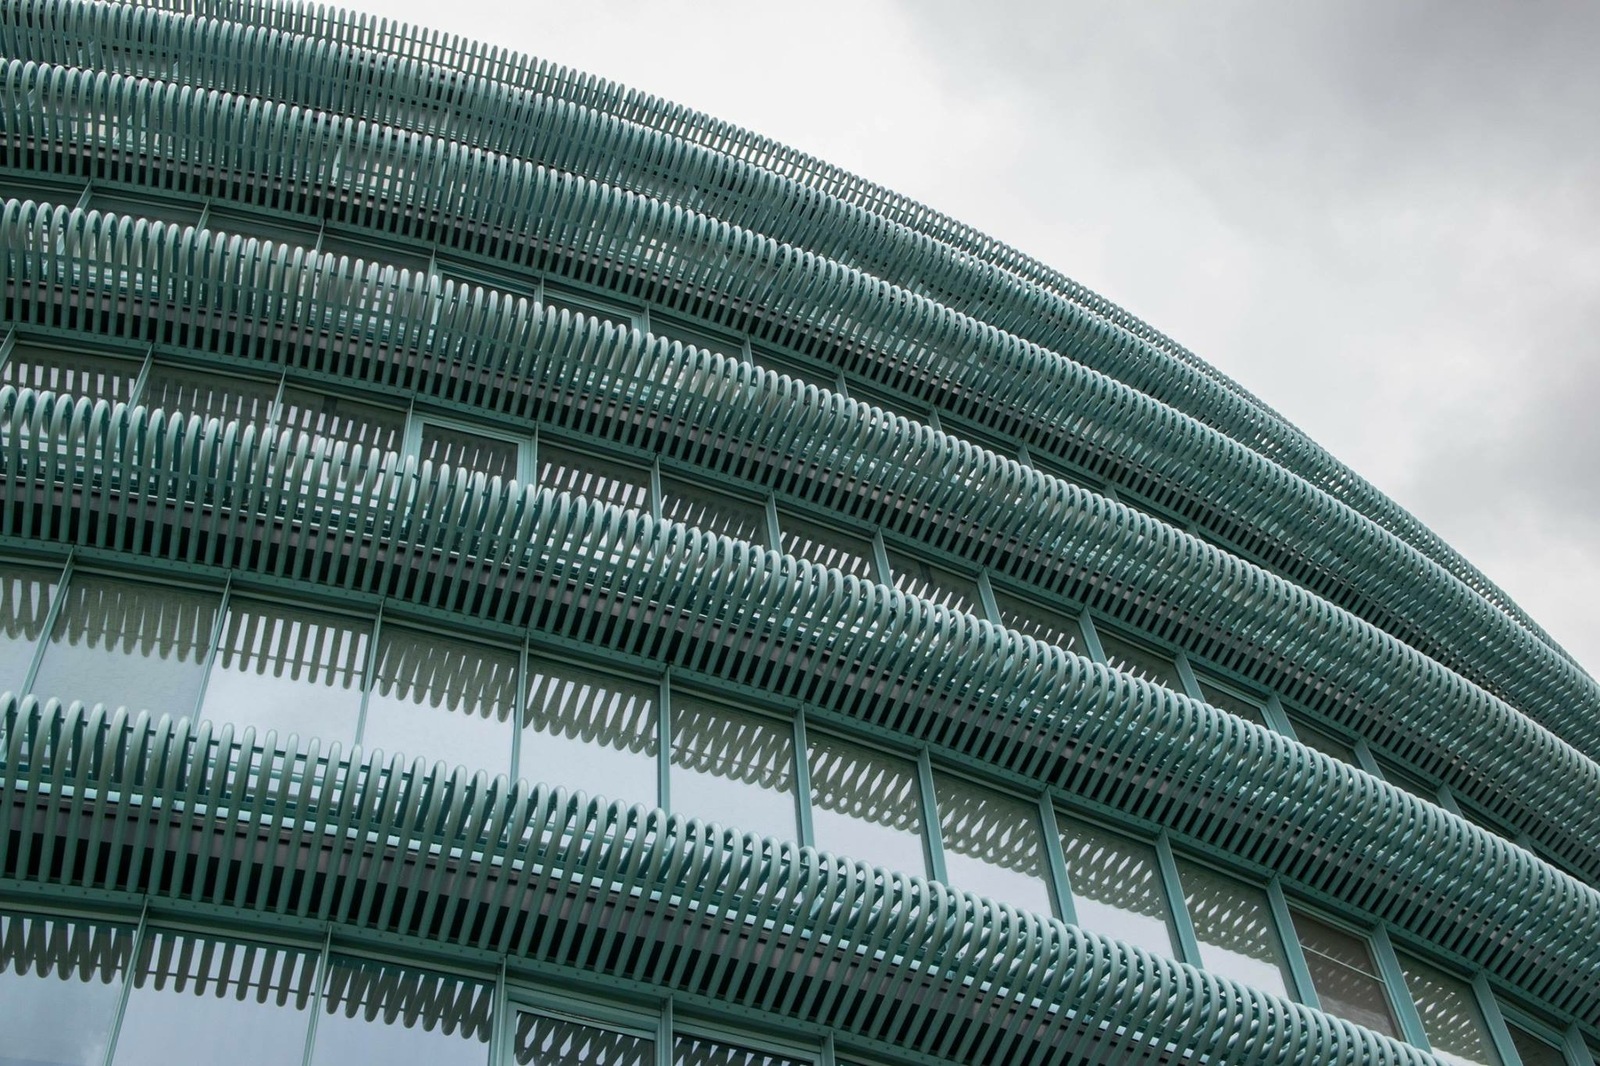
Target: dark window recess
[(95, 377), (1140, 661), (462, 449), (596, 478), (209, 395), (272, 228), (708, 509), (1040, 623), (827, 547), (1345, 976), (154, 208), (917, 578), (335, 418)]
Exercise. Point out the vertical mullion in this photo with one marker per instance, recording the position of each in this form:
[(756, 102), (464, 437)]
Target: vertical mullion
[(1394, 979), (1057, 858), (664, 743), (774, 531), (933, 838), (802, 780), (664, 1026), (318, 979), (368, 668), (1177, 906), (519, 707), (140, 931), (1299, 972), (1277, 718), (1499, 1034), (50, 618), (1091, 638), (1191, 684), (991, 609), (211, 652)]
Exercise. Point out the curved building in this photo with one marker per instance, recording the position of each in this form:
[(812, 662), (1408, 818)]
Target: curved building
[(498, 568)]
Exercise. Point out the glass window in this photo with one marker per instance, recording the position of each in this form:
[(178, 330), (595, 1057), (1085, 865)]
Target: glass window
[(734, 768), (917, 578), (127, 644), (700, 1051), (688, 337), (291, 670), (442, 699), (145, 205), (591, 307), (1401, 778), (993, 845), (866, 804), (262, 227), (379, 1013), (387, 254), (1237, 705), (209, 395), (711, 510), (1345, 975), (1320, 740), (599, 479), (24, 607), (1534, 1051), (1040, 623), (794, 368), (1450, 1015), (41, 190), (827, 547), (1116, 886), (545, 1041), (60, 983), (94, 377), (1234, 926), (1140, 661), (478, 452), (335, 418), (584, 730), (197, 998)]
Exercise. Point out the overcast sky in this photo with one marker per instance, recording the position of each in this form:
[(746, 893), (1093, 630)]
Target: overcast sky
[(1382, 218)]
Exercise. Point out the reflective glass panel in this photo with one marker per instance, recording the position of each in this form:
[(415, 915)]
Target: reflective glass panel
[(1040, 623), (1116, 886), (993, 845), (209, 395), (827, 547), (1221, 698), (866, 804), (545, 1041), (917, 578), (157, 209), (694, 338), (700, 1051), (333, 418), (1319, 740), (379, 1013), (262, 227), (1450, 1015), (588, 475), (1140, 661), (592, 732), (291, 670), (95, 377), (130, 645), (459, 448), (1233, 923), (442, 699), (1533, 1051), (712, 511), (24, 607), (198, 999), (389, 255), (1345, 976), (733, 768), (1402, 778), (60, 982), (591, 307)]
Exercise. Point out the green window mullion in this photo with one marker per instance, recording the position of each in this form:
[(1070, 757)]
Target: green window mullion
[(1489, 1007), (930, 818), (520, 707), (774, 531), (217, 632), (802, 780), (50, 617), (1400, 1001), (880, 559), (1276, 717), (1060, 880), (655, 489), (1191, 684), (1299, 971), (6, 344), (317, 981), (139, 932), (367, 670), (136, 394), (1091, 639), (664, 743), (991, 609), (1177, 907), (664, 1026)]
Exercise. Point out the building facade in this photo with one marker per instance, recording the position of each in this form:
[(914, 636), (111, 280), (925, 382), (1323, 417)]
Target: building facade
[(500, 568)]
